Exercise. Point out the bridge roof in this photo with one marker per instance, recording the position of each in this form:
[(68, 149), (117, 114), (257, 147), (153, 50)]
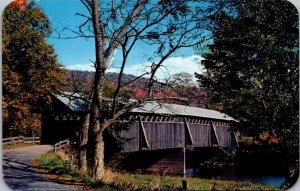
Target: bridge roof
[(72, 100), (181, 110), (75, 103)]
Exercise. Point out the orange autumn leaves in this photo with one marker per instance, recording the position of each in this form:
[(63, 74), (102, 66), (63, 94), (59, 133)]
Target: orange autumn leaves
[(18, 4), (30, 69)]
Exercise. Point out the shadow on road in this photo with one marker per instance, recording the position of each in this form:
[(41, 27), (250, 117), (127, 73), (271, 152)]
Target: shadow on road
[(21, 176)]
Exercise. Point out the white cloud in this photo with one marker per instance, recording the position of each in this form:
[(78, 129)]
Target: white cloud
[(82, 67), (172, 65)]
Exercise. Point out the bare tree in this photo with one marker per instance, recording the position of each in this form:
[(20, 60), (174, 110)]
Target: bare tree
[(165, 25)]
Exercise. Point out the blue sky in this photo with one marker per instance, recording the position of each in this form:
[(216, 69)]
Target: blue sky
[(70, 51), (77, 53)]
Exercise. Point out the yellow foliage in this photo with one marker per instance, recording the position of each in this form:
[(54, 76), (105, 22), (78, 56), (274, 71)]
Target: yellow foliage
[(30, 69)]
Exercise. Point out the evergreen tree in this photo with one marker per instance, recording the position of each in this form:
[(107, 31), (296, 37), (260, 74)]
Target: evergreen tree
[(30, 69), (252, 69)]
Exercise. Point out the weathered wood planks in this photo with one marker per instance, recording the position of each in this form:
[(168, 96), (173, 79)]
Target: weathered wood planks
[(161, 134)]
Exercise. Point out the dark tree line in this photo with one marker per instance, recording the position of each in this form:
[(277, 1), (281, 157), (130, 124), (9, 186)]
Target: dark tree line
[(252, 70)]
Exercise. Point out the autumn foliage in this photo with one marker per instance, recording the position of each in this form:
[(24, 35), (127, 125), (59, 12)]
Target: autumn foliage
[(18, 4), (29, 68), (265, 136)]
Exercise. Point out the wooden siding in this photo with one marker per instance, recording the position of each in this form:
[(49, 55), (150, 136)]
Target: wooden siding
[(165, 135), (155, 135), (130, 138), (225, 136), (201, 134)]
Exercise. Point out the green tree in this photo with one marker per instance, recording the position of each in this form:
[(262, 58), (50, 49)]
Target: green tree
[(30, 69), (252, 69), (182, 79)]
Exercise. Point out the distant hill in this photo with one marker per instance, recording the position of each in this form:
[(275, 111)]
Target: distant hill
[(111, 76), (82, 81)]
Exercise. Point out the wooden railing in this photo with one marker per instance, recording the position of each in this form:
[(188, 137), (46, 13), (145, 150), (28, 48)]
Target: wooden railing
[(61, 144), (20, 139)]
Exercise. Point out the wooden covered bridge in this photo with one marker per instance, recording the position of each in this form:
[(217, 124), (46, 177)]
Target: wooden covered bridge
[(152, 126), (157, 126)]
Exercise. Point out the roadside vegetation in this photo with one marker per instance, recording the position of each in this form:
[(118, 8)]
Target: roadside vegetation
[(55, 164)]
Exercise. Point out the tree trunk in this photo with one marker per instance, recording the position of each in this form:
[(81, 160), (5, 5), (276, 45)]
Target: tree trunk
[(98, 166), (102, 58), (83, 145)]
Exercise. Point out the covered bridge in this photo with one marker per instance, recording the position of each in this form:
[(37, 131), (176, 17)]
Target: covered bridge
[(157, 126), (152, 126)]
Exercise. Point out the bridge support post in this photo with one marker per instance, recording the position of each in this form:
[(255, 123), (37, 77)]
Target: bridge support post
[(184, 162), (184, 185)]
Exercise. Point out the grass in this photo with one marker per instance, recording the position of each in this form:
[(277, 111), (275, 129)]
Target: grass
[(154, 182), (55, 164)]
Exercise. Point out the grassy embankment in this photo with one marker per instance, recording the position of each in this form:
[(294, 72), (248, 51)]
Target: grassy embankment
[(55, 164)]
